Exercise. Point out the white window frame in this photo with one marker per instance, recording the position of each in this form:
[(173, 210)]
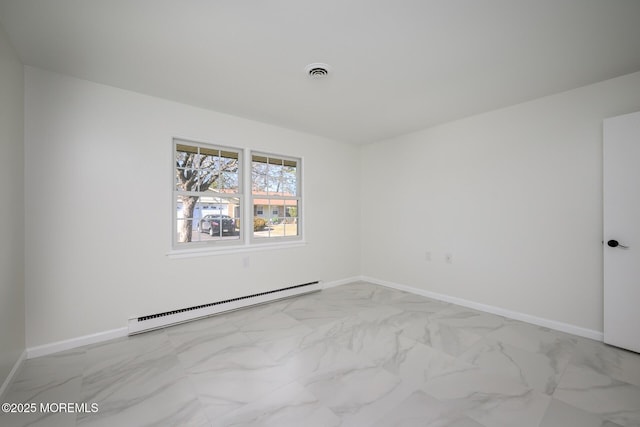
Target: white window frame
[(268, 208), (247, 242)]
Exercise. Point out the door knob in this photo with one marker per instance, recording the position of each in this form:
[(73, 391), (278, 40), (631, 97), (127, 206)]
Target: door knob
[(615, 244)]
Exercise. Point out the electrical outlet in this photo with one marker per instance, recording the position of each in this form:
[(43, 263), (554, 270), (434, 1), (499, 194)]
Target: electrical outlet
[(427, 256), (245, 262), (448, 258)]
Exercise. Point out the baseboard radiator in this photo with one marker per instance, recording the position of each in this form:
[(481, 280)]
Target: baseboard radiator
[(150, 322)]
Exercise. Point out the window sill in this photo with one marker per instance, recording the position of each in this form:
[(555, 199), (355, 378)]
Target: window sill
[(255, 247)]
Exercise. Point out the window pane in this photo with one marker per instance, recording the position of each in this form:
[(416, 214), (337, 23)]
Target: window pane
[(274, 177), (259, 177), (189, 179), (229, 182), (290, 228), (205, 169), (289, 181), (261, 218), (184, 179), (186, 173), (275, 218), (290, 220), (187, 209), (180, 233), (207, 219), (228, 160), (218, 219), (260, 228), (291, 210), (207, 162), (184, 154), (228, 167), (181, 159), (207, 180)]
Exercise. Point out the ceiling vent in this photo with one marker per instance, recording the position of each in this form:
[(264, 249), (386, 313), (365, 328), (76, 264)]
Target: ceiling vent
[(317, 70)]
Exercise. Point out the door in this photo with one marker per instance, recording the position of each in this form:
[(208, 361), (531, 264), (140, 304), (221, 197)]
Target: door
[(622, 231)]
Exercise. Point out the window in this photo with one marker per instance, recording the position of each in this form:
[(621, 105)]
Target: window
[(275, 189), (207, 195), (209, 202)]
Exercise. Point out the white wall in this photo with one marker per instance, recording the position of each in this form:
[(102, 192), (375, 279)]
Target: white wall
[(98, 208), (515, 195), (12, 326)]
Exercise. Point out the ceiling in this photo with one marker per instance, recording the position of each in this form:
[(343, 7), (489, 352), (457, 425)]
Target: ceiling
[(397, 66)]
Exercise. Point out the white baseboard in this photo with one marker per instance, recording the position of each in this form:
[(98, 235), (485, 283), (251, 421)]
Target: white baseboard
[(55, 347), (12, 375), (547, 323), (326, 285)]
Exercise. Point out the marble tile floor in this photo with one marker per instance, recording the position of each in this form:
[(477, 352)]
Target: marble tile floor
[(354, 355)]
